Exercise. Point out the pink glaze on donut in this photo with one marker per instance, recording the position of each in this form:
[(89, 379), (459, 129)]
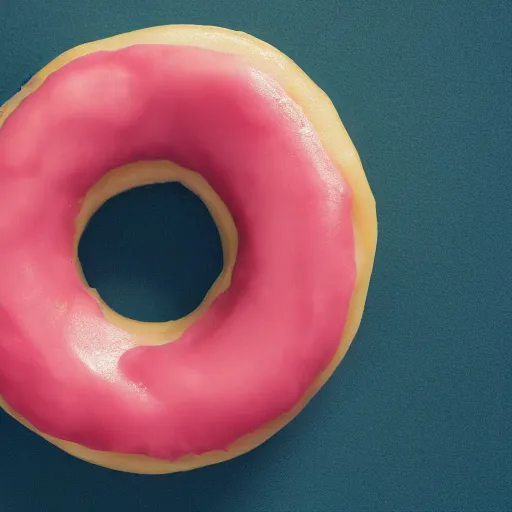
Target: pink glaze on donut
[(261, 344)]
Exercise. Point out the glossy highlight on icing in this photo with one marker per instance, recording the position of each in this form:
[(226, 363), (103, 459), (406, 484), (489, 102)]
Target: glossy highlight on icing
[(253, 354)]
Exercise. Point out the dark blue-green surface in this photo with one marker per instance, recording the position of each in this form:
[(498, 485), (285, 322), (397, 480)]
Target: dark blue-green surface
[(416, 418), (152, 252)]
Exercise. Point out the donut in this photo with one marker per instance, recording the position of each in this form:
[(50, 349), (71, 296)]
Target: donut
[(239, 124)]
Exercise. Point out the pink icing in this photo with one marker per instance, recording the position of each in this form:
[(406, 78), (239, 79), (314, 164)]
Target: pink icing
[(257, 349)]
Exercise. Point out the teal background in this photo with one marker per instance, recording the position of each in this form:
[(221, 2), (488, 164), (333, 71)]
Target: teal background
[(417, 416)]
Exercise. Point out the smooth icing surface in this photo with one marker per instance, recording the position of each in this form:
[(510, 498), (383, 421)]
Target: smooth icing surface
[(253, 354)]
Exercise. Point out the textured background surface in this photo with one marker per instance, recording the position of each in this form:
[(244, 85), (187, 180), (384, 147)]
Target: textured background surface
[(414, 419)]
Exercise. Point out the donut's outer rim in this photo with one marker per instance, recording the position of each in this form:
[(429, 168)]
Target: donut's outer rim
[(335, 140)]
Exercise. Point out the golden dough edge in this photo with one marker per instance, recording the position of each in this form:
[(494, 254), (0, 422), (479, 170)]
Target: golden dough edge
[(336, 141), (148, 172)]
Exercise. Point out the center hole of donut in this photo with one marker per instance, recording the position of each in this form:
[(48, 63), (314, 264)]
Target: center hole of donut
[(152, 252)]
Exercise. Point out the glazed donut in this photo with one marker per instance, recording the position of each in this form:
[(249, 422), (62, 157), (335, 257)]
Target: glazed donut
[(243, 127)]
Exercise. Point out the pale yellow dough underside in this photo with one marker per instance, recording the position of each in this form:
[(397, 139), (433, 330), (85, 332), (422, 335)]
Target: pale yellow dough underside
[(336, 142)]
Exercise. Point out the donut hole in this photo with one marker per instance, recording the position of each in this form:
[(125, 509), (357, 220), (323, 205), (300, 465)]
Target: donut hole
[(152, 252)]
